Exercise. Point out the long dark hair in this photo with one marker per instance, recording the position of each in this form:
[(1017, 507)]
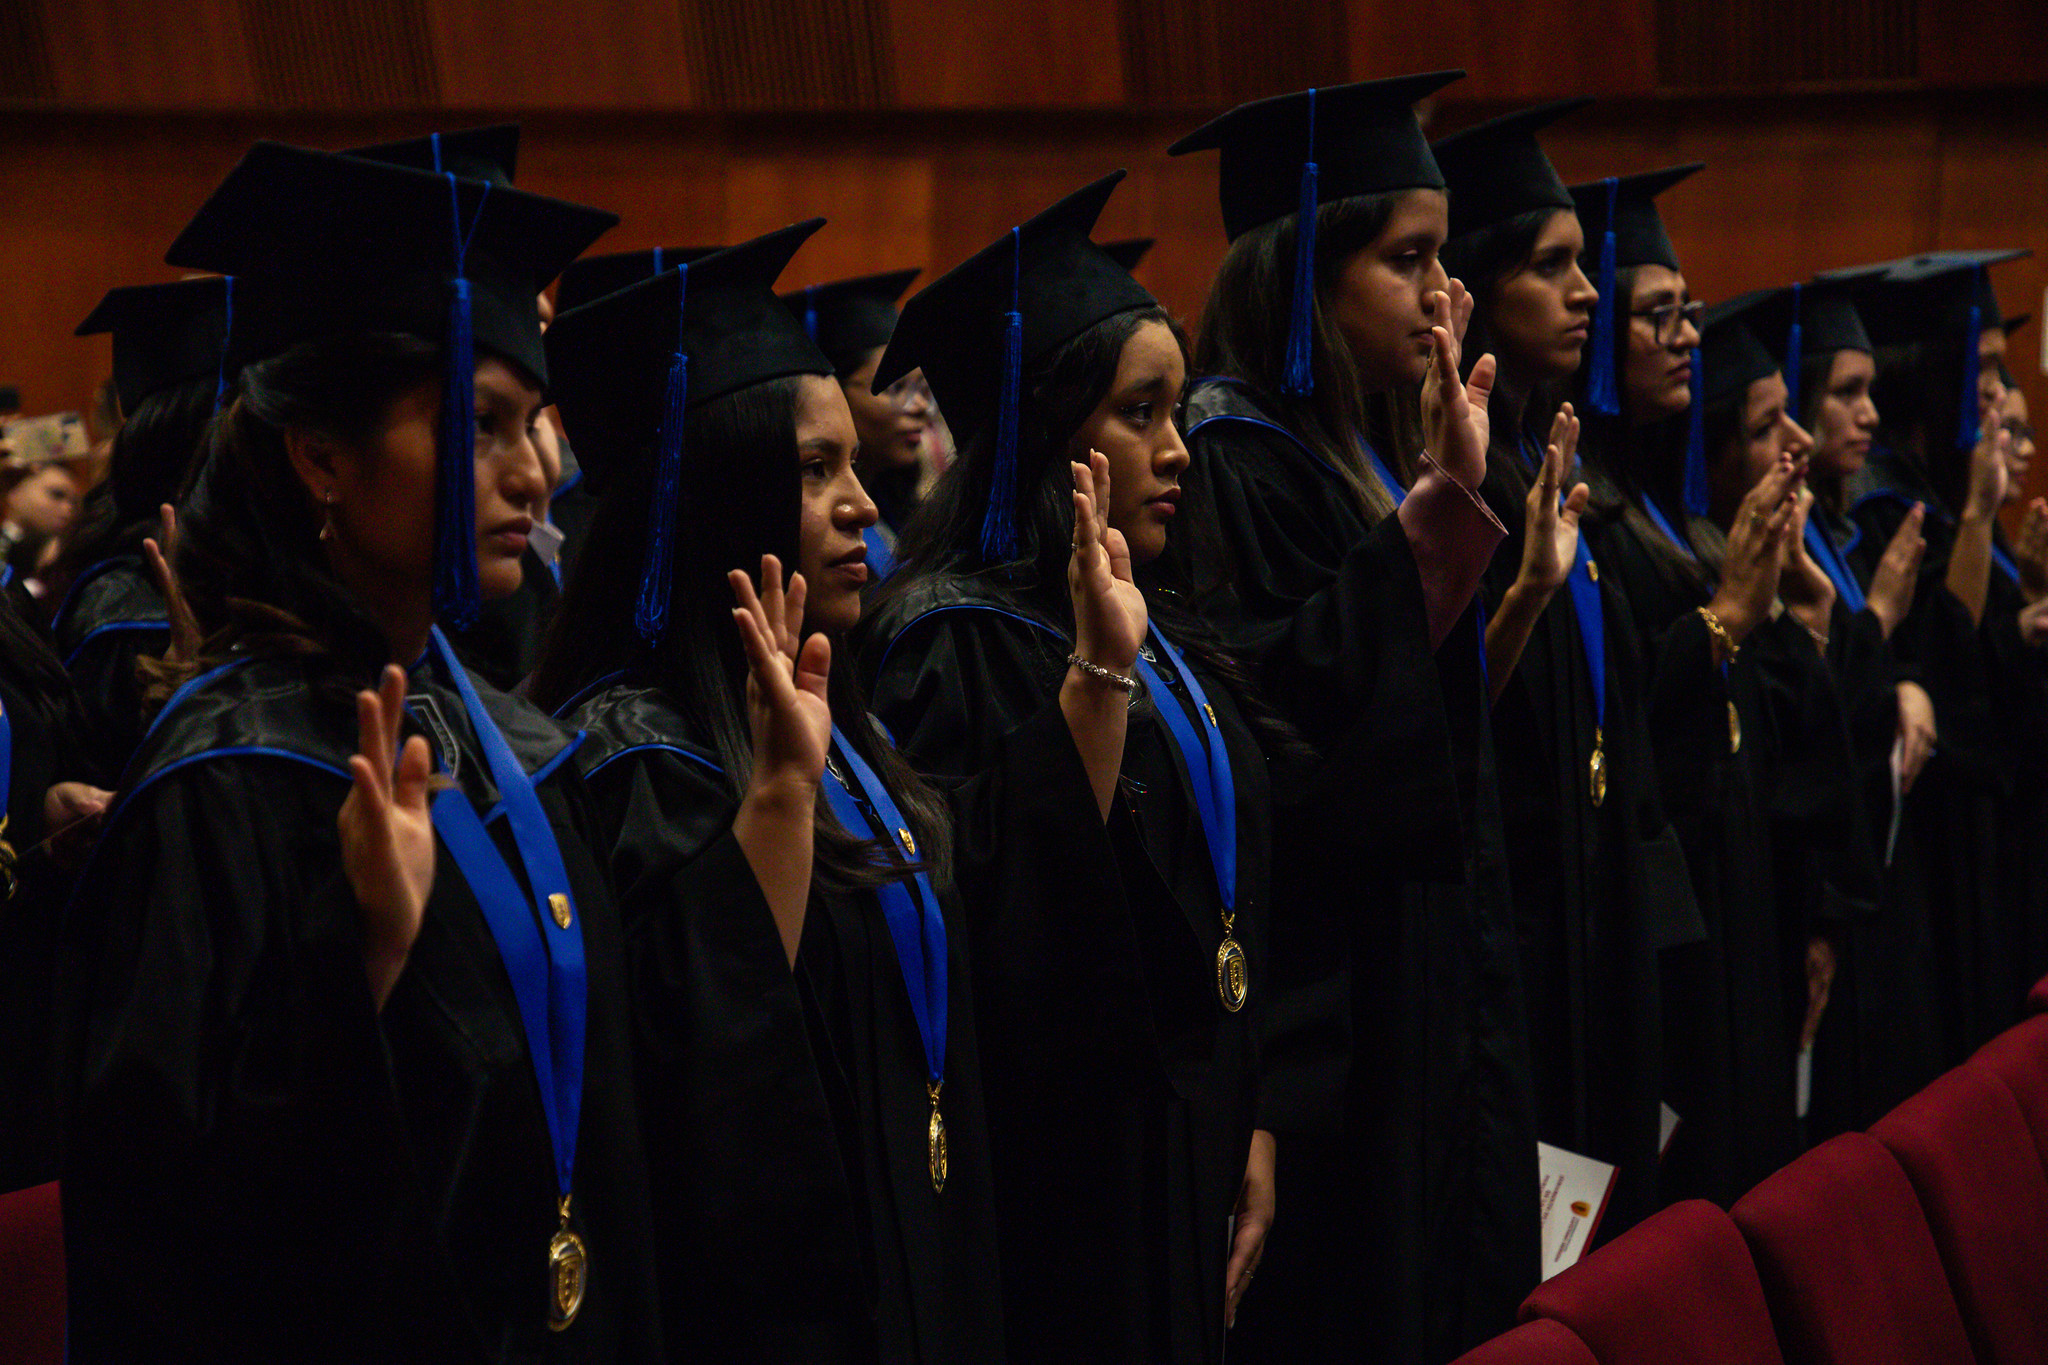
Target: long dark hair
[(1244, 336), (1919, 396), (249, 560), (741, 496), (1485, 260), (944, 536), (153, 453)]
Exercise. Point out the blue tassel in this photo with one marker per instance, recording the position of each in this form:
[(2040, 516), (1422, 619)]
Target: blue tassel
[(1970, 431), (811, 311), (1602, 393), (657, 262), (457, 596), (1299, 377), (227, 336), (1694, 492), (650, 617), (1795, 354), (999, 524)]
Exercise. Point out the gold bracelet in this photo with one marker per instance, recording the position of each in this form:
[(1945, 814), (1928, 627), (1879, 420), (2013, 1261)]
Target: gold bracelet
[(1720, 633)]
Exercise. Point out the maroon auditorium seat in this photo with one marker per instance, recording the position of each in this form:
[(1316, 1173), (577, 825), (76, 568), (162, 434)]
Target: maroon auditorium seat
[(1676, 1289), (1848, 1263), (1541, 1342), (31, 1277), (1971, 1158), (2019, 1057)]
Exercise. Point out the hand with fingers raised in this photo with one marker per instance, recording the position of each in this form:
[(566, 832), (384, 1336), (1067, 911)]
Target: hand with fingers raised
[(1109, 611), (1898, 572), (163, 557), (1755, 554), (387, 832), (1455, 423), (1551, 522)]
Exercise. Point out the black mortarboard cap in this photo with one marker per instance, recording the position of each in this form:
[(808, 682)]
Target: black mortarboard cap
[(164, 334), (1622, 227), (1497, 170), (1128, 251), (849, 318), (629, 367), (1291, 153), (490, 153), (595, 276), (324, 244), (1730, 358), (975, 328), (1939, 298), (1804, 321)]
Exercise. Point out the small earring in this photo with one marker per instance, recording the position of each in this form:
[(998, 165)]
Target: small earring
[(327, 514)]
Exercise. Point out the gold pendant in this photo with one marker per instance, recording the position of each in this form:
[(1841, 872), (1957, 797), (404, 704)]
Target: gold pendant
[(558, 906), (935, 1142), (1231, 983), (568, 1274), (9, 883), (1597, 770), (1734, 730)]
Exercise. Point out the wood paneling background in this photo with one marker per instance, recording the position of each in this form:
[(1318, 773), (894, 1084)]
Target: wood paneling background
[(1837, 131)]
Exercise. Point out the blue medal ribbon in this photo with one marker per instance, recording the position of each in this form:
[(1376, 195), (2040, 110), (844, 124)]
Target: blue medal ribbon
[(1587, 606), (910, 907), (1671, 534), (539, 937), (1821, 546), (2004, 562), (1208, 767)]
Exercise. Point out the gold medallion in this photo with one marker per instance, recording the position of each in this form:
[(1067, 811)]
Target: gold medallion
[(558, 906), (1231, 983), (935, 1142), (9, 883), (1734, 730), (568, 1273), (1597, 770), (1592, 571)]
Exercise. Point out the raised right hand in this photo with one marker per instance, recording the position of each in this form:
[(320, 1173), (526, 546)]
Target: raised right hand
[(1988, 474), (2032, 550), (786, 681), (1898, 573), (1756, 551), (387, 833)]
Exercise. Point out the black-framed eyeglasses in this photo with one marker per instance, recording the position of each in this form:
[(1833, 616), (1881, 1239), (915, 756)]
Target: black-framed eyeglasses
[(1664, 318)]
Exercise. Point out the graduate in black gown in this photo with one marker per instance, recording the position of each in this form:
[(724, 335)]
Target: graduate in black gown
[(1976, 629), (1729, 1033), (1600, 884), (807, 1005), (1880, 1038), (49, 811), (348, 1072), (1121, 1214), (852, 320), (170, 348), (1399, 1084)]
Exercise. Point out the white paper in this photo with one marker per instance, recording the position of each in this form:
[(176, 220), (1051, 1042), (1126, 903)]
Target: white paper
[(1891, 839), (1575, 1190), (545, 540), (1803, 1080), (1667, 1124)]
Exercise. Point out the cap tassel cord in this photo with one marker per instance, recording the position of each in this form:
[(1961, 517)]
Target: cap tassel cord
[(1795, 349), (1694, 492), (1970, 429), (227, 336), (457, 595), (1601, 391), (811, 311), (999, 525), (1299, 378), (650, 616)]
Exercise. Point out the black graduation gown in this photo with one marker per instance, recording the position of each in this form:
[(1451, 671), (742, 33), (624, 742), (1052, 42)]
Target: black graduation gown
[(1116, 1219), (1416, 1139), (112, 616), (787, 1111), (504, 644), (1599, 890), (1957, 809), (259, 1165), (1729, 1030), (47, 731), (1880, 1040)]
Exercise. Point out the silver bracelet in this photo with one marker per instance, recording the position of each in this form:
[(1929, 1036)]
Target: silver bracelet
[(1130, 685)]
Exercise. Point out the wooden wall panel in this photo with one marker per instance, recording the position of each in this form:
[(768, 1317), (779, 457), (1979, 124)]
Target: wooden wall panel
[(1224, 52), (342, 54), (794, 54), (115, 53), (997, 54), (25, 66), (596, 54), (1511, 51)]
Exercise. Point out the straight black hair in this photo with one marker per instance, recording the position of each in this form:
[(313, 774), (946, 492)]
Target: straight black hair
[(153, 455)]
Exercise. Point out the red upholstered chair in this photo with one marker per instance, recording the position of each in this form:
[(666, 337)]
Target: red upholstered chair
[(1848, 1263), (2019, 1057), (32, 1277), (1676, 1289), (1971, 1158), (1541, 1342)]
